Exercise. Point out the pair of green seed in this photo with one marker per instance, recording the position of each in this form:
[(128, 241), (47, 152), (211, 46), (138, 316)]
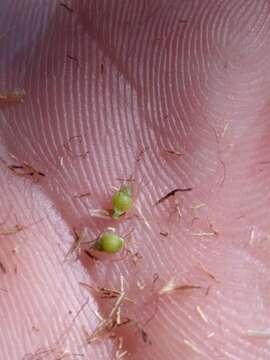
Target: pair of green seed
[(109, 242)]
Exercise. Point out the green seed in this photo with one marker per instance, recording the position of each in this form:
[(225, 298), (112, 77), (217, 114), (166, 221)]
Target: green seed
[(109, 242), (122, 201)]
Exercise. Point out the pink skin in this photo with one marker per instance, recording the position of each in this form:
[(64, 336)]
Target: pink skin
[(190, 76)]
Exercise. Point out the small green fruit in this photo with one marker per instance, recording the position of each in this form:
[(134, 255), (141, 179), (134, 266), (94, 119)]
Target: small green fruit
[(109, 242), (122, 201)]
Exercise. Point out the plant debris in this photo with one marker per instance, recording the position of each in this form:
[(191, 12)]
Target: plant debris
[(217, 137), (192, 346), (79, 196), (207, 272), (144, 336), (42, 354), (135, 257), (108, 325), (17, 228), (68, 327), (176, 210), (24, 169), (90, 255), (155, 279), (172, 152), (142, 332), (164, 233), (142, 217), (201, 313), (73, 58), (211, 232), (14, 96), (79, 140), (55, 351), (120, 354), (140, 284), (105, 293), (141, 153), (258, 333), (2, 267), (100, 213), (129, 179), (66, 354), (65, 6), (204, 234), (171, 287), (78, 238), (172, 193)]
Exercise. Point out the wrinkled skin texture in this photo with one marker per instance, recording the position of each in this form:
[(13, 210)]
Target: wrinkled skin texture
[(189, 76)]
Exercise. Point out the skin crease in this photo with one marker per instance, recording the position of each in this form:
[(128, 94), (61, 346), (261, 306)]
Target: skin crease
[(110, 86)]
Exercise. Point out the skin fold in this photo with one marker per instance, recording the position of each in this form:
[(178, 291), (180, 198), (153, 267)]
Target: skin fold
[(170, 94)]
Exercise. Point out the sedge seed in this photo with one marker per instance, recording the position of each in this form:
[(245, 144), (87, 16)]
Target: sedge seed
[(122, 201), (109, 242)]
